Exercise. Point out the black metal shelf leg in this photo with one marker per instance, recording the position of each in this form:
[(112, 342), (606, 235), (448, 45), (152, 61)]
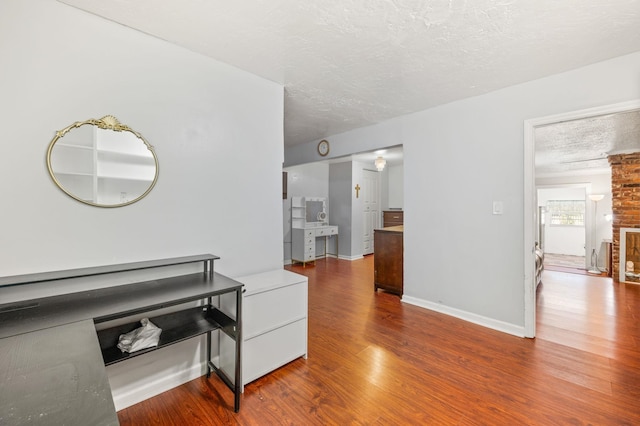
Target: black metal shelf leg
[(208, 355)]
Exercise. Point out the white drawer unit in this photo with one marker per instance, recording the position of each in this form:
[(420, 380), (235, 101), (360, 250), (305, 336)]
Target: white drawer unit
[(274, 321), (303, 245), (267, 352), (303, 242), (309, 221), (270, 309)]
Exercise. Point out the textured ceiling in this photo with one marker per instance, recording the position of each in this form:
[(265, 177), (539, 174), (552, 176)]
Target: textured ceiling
[(347, 63), (583, 145)]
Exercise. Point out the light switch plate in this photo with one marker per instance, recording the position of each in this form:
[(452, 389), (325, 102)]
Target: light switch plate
[(498, 207)]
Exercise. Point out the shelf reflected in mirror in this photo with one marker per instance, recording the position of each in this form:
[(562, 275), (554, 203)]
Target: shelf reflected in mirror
[(102, 163)]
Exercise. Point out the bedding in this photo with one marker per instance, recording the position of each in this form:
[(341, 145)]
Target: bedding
[(539, 264)]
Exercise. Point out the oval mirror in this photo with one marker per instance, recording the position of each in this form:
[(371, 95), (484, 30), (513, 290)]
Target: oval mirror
[(102, 163)]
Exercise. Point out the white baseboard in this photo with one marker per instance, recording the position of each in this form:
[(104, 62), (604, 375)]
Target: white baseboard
[(352, 258), (148, 389), (357, 257), (494, 324)]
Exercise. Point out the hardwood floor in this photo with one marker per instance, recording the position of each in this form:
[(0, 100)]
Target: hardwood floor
[(565, 260), (375, 360)]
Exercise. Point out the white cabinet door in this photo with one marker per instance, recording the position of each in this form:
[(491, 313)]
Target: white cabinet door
[(371, 209)]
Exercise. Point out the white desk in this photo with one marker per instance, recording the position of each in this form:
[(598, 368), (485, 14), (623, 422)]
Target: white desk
[(303, 242)]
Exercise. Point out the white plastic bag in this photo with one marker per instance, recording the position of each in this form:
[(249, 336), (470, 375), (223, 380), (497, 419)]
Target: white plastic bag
[(143, 337)]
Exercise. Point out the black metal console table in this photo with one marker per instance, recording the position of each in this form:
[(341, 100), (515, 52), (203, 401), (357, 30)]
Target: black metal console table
[(34, 317)]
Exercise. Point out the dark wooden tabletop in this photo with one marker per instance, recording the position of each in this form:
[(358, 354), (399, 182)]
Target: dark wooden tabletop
[(109, 303), (55, 377)]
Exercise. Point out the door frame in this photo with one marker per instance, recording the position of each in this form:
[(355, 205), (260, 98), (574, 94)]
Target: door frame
[(530, 200)]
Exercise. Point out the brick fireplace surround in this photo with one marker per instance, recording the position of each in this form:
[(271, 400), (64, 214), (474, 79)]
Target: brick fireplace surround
[(625, 194)]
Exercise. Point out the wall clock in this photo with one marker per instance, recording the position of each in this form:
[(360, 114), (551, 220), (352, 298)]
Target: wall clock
[(323, 147)]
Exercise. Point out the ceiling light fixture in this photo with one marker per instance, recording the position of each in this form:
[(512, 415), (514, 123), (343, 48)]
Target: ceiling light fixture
[(380, 163)]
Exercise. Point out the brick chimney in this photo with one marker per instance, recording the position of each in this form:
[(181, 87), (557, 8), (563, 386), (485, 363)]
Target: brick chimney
[(625, 194)]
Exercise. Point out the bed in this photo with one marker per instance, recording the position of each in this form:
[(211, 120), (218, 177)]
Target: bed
[(539, 264)]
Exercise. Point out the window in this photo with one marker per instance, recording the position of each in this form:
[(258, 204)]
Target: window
[(566, 212)]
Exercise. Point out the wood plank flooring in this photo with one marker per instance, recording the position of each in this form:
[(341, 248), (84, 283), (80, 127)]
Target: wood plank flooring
[(568, 261), (376, 361)]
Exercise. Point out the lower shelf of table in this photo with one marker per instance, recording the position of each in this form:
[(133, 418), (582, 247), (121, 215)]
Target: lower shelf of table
[(176, 327)]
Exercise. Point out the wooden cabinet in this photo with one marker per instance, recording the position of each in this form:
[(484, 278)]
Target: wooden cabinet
[(388, 259), (392, 218)]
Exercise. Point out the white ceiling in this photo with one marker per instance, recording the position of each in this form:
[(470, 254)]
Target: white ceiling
[(347, 64)]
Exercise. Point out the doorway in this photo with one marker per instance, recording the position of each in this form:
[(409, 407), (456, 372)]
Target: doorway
[(562, 225), (341, 180), (530, 197)]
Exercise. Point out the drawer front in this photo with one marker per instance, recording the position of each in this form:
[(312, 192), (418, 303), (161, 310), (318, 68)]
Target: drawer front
[(309, 233), (272, 350), (393, 218), (270, 309), (309, 241), (326, 230)]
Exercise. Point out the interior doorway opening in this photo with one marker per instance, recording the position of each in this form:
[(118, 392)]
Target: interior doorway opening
[(561, 229), (344, 183), (531, 211)]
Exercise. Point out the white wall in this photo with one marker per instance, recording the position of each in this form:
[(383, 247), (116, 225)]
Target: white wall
[(357, 209), (458, 159), (340, 209), (396, 186), (61, 65)]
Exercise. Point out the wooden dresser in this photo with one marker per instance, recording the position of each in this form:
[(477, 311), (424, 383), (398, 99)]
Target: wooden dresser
[(388, 259), (392, 218)]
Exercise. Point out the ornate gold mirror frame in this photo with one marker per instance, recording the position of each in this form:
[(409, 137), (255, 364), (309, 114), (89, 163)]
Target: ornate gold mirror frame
[(102, 163)]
